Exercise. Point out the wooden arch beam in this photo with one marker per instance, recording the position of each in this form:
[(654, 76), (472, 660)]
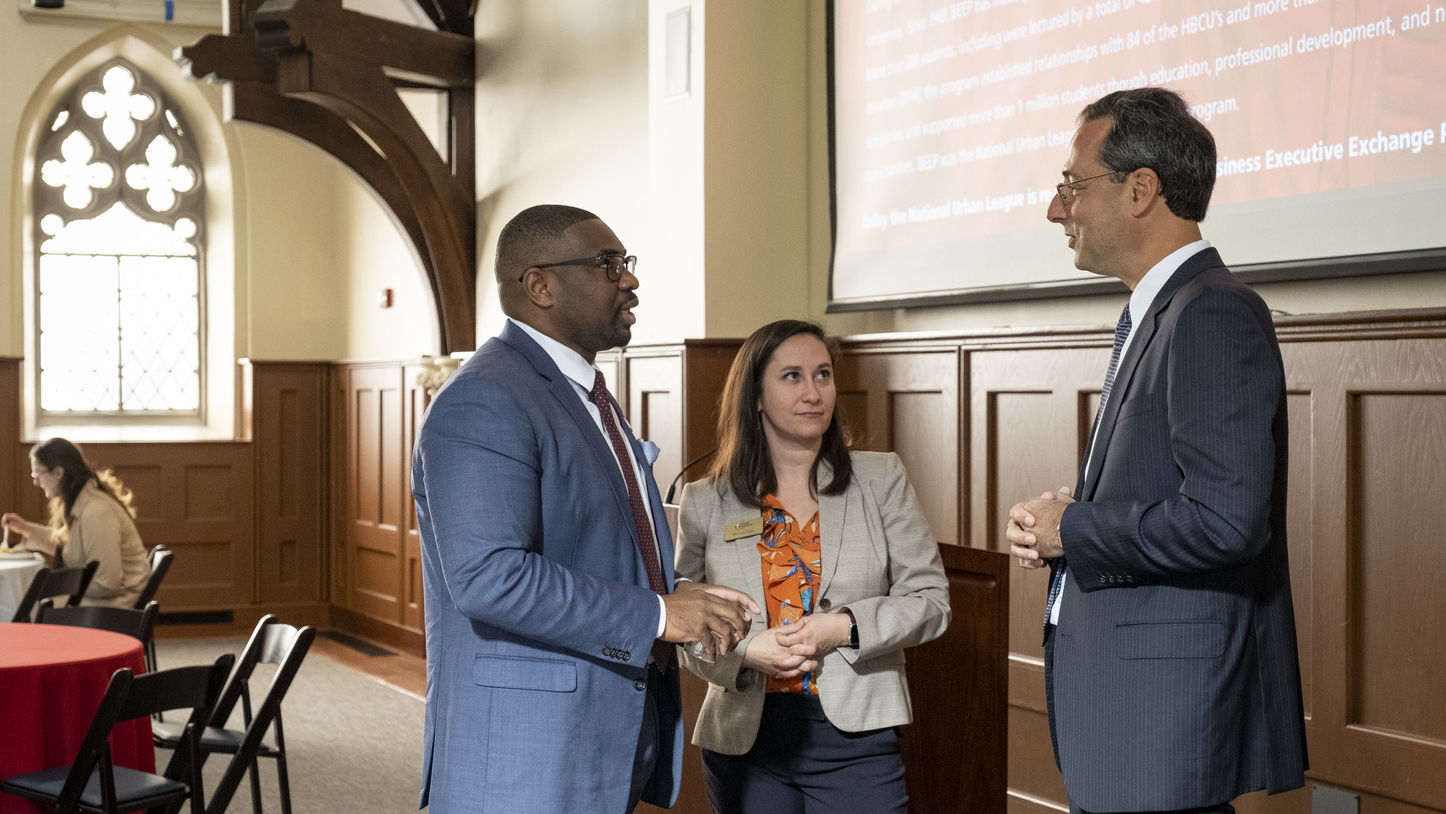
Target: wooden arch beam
[(330, 77)]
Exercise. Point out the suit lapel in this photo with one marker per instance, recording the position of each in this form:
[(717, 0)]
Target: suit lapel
[(561, 389), (1144, 334), (745, 556), (832, 518)]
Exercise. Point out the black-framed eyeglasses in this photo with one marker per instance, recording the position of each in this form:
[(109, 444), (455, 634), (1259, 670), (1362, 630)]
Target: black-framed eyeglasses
[(1067, 198), (614, 265)]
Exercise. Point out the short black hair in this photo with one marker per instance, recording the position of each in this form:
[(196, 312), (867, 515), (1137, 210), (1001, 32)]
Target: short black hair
[(534, 226), (1152, 127)]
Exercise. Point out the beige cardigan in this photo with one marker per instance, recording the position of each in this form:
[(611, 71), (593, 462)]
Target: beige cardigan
[(880, 561), (101, 529)]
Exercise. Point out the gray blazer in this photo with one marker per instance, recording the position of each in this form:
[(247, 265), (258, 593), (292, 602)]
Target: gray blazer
[(880, 560)]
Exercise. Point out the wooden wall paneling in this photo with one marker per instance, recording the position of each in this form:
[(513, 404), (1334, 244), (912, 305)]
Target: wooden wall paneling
[(338, 510), (908, 401), (413, 604), (14, 456), (1394, 577), (198, 499), (705, 373), (670, 394), (376, 397), (653, 397), (289, 423), (1300, 523), (1374, 433)]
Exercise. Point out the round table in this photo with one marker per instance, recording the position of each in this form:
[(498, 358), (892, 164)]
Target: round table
[(52, 678), (16, 572)]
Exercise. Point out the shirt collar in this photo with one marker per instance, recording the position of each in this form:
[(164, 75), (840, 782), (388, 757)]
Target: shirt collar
[(1156, 277), (577, 369)]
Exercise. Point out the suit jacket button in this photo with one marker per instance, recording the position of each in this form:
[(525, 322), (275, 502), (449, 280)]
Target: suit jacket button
[(640, 685), (625, 655), (824, 604)]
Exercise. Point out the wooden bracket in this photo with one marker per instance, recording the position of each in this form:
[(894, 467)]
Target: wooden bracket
[(330, 77)]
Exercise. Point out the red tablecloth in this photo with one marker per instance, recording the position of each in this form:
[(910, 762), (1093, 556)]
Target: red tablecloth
[(52, 678)]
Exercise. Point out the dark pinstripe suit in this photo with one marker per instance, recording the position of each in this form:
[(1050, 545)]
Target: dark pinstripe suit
[(1174, 676)]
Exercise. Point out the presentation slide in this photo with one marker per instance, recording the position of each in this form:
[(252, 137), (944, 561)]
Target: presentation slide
[(952, 121)]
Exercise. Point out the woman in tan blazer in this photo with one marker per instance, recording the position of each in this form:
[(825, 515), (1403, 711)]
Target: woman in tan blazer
[(801, 716)]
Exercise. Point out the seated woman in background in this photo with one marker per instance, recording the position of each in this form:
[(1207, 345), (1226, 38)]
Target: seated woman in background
[(801, 716), (91, 518)]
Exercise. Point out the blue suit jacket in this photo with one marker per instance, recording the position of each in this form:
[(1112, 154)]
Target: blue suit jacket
[(539, 616), (1175, 680)]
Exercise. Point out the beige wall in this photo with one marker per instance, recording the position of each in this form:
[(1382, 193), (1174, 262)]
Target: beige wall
[(562, 117)]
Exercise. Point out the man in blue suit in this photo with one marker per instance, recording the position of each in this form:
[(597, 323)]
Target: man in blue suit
[(1171, 671), (547, 561)]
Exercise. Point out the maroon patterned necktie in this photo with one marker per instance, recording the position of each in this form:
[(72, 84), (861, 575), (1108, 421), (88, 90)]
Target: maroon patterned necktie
[(662, 651)]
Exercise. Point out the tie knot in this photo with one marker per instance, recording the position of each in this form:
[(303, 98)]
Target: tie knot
[(599, 393)]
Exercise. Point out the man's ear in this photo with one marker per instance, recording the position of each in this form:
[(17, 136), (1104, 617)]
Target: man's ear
[(538, 288), (1145, 191)]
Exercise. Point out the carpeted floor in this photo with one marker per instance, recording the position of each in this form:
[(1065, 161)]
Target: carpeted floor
[(353, 743)]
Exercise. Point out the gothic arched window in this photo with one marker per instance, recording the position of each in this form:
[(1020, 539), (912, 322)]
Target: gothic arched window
[(119, 219)]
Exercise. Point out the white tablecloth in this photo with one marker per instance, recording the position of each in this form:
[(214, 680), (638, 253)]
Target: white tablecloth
[(15, 575)]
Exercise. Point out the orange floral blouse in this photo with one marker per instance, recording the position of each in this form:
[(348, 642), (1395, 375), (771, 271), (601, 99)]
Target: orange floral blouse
[(791, 563)]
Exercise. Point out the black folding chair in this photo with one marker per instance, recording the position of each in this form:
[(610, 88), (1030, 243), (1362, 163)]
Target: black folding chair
[(94, 783), (160, 561), (69, 582), (139, 624), (271, 642)]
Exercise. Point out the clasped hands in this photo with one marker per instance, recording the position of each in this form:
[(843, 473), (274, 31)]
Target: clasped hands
[(1033, 529), (791, 650), (713, 615)]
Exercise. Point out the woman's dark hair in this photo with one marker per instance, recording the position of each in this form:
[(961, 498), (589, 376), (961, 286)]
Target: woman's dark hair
[(742, 459), (76, 472)]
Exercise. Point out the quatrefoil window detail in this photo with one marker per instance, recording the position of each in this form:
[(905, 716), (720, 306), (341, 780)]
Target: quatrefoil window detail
[(118, 106), (119, 210), (75, 172), (161, 177)]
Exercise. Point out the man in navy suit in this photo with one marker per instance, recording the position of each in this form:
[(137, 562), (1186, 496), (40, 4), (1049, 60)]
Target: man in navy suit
[(1171, 671), (546, 559)]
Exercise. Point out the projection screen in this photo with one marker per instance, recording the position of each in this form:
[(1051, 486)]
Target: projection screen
[(950, 121)]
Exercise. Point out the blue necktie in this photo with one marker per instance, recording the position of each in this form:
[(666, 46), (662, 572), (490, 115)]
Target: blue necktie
[(1056, 566)]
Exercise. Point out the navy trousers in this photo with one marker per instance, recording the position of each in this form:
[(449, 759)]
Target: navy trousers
[(802, 764)]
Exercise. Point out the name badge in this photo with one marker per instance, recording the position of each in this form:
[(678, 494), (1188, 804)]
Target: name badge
[(743, 528)]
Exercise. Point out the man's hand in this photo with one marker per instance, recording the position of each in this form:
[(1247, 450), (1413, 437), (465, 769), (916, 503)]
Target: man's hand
[(1033, 530), (714, 615), (767, 655)]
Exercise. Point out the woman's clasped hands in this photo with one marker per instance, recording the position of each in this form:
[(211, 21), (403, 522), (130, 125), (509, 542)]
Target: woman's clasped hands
[(790, 650)]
